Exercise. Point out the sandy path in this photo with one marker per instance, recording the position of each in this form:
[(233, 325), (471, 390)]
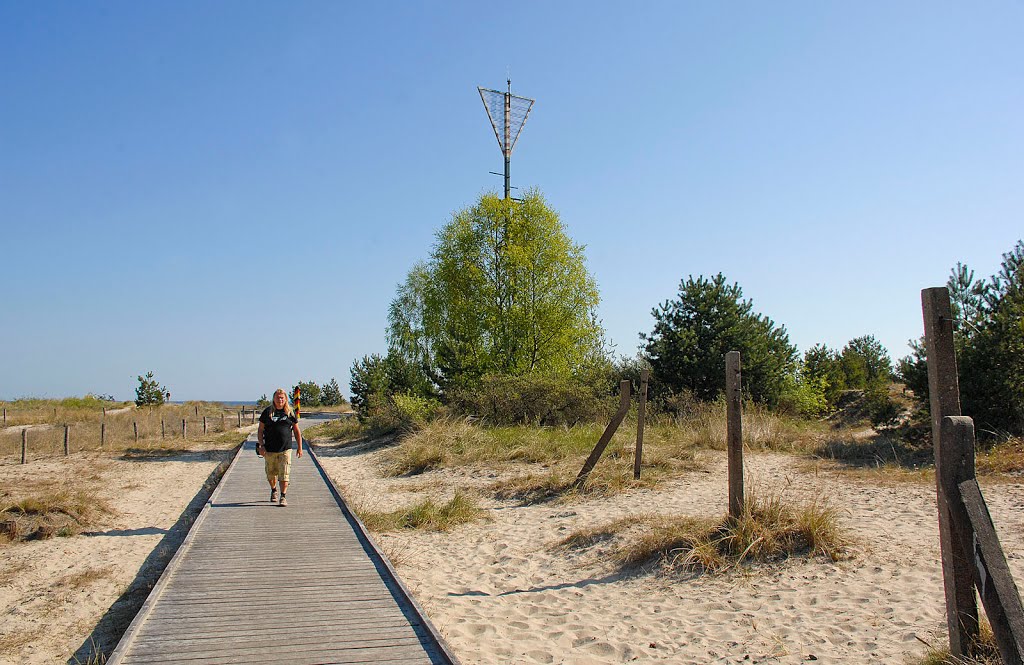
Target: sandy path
[(500, 595)]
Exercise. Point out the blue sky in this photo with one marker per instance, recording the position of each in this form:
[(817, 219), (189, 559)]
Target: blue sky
[(227, 193)]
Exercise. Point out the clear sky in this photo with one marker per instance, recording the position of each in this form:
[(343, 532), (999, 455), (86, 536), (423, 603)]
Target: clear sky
[(227, 193)]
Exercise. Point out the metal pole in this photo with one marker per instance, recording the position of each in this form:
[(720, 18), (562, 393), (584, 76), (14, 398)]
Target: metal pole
[(508, 138)]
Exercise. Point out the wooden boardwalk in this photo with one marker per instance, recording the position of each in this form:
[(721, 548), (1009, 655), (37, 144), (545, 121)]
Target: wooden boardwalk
[(257, 583)]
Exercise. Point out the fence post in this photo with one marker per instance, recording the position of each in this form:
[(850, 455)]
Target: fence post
[(184, 425), (944, 400), (67, 440), (641, 420), (239, 420), (24, 445), (734, 431), (163, 429), (197, 410), (5, 416), (135, 426), (204, 424), (254, 415), (609, 432), (223, 422), (103, 434)]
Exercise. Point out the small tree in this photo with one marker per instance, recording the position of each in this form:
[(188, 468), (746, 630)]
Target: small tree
[(262, 402), (149, 391), (310, 393), (330, 393)]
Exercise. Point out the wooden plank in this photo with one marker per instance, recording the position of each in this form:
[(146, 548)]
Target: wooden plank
[(239, 591)]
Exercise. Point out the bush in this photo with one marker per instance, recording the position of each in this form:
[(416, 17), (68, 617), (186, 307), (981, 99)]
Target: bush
[(804, 396), (386, 414), (531, 399)]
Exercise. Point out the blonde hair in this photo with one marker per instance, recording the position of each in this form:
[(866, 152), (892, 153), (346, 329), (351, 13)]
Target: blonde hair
[(287, 405)]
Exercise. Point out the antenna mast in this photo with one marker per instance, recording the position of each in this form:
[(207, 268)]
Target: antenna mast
[(509, 124)]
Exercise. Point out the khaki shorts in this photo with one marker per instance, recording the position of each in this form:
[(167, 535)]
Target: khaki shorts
[(278, 464)]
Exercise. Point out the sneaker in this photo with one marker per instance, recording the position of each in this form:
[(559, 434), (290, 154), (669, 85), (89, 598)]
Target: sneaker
[(273, 495), (284, 501)]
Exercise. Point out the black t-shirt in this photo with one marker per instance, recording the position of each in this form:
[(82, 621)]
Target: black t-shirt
[(277, 429)]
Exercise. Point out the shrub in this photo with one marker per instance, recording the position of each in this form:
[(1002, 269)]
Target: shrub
[(531, 399)]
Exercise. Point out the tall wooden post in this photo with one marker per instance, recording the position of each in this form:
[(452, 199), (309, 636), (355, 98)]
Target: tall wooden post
[(197, 410), (184, 426), (239, 420), (734, 429), (67, 440), (24, 445), (103, 434), (5, 416), (944, 400), (254, 415), (223, 422), (163, 429), (204, 424), (135, 427), (641, 420)]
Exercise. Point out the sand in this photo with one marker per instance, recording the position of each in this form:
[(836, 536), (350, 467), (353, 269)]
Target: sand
[(499, 593)]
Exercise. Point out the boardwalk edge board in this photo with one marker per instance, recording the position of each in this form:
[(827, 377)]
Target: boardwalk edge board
[(144, 611), (363, 533)]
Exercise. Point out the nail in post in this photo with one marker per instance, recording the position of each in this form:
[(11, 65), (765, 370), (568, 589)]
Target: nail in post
[(734, 429)]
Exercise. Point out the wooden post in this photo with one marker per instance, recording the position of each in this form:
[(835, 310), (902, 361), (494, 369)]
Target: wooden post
[(104, 412), (239, 420), (970, 518), (254, 415), (197, 410), (204, 424), (103, 434), (223, 422), (609, 432), (24, 445), (944, 400), (5, 416), (135, 426), (734, 431), (184, 428), (641, 420), (67, 440), (163, 429)]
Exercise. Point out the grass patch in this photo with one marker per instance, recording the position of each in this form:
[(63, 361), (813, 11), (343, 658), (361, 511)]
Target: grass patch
[(986, 651), (426, 515), (85, 579), (340, 429), (770, 530), (1006, 457), (57, 512)]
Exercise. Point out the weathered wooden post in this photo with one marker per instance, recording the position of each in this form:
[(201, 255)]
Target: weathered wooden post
[(24, 445), (734, 432), (163, 429), (5, 416), (184, 430), (103, 434), (135, 426), (254, 415), (223, 422), (641, 420), (197, 410), (944, 400), (239, 420), (67, 440), (204, 424), (609, 432)]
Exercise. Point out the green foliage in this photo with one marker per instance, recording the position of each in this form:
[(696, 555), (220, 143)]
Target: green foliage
[(400, 412), (539, 399), (804, 395), (310, 393), (262, 402), (708, 319), (381, 376), (822, 367), (149, 391), (504, 291), (865, 363), (989, 342), (330, 393)]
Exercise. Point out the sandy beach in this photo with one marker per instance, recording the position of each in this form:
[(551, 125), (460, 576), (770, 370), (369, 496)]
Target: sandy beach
[(497, 588), (499, 593)]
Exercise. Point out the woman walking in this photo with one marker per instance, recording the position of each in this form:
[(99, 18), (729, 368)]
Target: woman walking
[(274, 442)]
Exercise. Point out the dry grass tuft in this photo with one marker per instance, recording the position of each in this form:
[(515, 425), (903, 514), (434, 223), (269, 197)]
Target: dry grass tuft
[(12, 642), (986, 652), (1006, 458), (61, 511), (85, 578), (770, 530), (426, 515), (340, 429)]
